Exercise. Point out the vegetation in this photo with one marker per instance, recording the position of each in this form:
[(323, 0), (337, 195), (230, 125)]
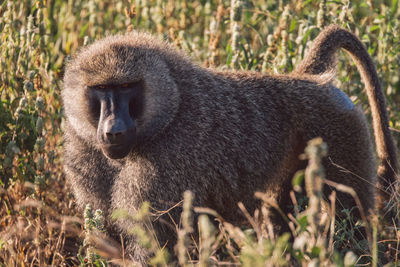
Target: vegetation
[(39, 224)]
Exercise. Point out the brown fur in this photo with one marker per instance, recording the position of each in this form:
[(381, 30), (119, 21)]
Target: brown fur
[(222, 135), (321, 59)]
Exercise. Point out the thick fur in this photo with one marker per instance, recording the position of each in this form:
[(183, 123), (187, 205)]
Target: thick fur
[(222, 135), (322, 59)]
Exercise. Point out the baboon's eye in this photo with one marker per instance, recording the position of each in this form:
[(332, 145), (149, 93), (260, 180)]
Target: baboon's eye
[(125, 85), (98, 87)]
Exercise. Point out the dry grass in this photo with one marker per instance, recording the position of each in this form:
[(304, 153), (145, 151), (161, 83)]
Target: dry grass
[(39, 223)]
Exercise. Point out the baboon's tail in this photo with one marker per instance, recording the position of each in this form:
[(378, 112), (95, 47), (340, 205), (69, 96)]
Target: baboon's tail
[(321, 59)]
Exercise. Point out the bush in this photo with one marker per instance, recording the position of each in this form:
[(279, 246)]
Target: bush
[(38, 226)]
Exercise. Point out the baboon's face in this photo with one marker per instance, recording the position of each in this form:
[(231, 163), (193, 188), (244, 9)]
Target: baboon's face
[(116, 107), (119, 94)]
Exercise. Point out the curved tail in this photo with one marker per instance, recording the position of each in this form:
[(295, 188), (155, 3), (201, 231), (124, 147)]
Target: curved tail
[(322, 59)]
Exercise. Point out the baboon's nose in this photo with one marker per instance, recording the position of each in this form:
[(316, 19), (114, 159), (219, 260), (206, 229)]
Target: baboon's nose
[(115, 131)]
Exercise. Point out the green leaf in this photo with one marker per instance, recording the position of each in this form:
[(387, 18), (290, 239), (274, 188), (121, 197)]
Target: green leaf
[(315, 251)]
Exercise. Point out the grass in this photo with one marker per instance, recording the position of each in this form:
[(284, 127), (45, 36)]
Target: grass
[(39, 223)]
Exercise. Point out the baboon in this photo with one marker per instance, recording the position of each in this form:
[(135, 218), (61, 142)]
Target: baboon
[(144, 123)]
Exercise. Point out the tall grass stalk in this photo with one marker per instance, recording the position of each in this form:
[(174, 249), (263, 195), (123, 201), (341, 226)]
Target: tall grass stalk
[(40, 224)]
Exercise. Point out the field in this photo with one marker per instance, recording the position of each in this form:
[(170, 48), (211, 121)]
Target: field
[(39, 222)]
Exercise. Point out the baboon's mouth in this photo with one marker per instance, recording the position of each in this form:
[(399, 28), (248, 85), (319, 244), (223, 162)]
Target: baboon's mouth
[(116, 151)]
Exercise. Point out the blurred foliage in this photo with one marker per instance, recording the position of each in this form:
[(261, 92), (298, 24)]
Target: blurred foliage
[(38, 36)]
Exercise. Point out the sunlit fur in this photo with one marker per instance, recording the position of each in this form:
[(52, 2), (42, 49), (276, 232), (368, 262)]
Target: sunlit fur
[(221, 134)]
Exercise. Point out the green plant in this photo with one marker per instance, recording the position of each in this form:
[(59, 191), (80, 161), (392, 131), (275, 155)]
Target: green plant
[(38, 36)]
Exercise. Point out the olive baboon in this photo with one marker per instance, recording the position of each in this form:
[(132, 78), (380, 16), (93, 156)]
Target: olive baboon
[(145, 124), (321, 59)]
